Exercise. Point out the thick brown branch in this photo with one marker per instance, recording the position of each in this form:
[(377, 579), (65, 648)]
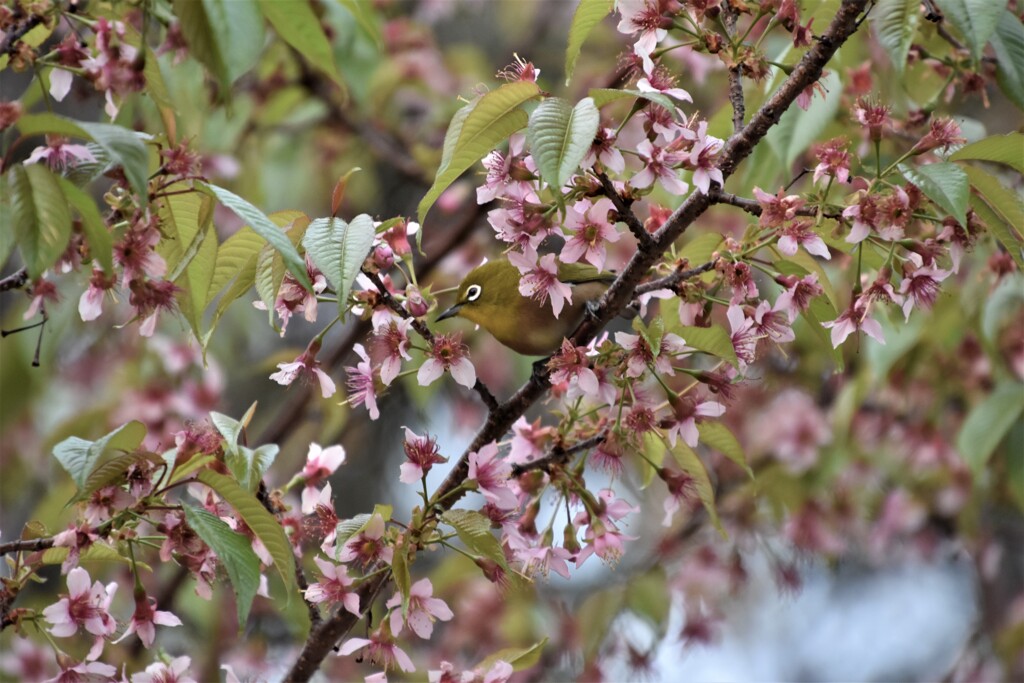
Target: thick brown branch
[(30, 545), (735, 75)]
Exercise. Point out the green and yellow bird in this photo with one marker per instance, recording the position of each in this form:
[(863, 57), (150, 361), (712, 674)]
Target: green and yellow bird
[(489, 296)]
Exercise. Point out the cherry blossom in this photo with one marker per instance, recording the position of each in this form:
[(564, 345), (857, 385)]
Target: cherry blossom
[(308, 366), (778, 208), (491, 475), (368, 546), (920, 285), (640, 355), (423, 610), (643, 17), (687, 414), (361, 384), (320, 464), (392, 339), (83, 607), (59, 154), (801, 234), (658, 164), (146, 617), (798, 294), (570, 365), (382, 649), (588, 229), (422, 453), (540, 280), (604, 151), (159, 672), (447, 353), (335, 588), (856, 317)]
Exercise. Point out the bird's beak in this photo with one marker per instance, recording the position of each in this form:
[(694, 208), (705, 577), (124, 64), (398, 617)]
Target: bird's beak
[(450, 313)]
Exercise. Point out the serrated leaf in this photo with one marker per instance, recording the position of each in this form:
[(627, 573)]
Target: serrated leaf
[(451, 136), (560, 135), (895, 22), (348, 528), (42, 222), (520, 658), (338, 249), (101, 244), (298, 26), (234, 551), (225, 35), (588, 14), (234, 257), (191, 251), (496, 116), (975, 19), (714, 340), (690, 463), (1000, 149), (1000, 208), (474, 530), (79, 456), (944, 183), (798, 128), (1008, 44), (717, 436), (988, 423), (249, 465), (96, 552), (266, 229), (603, 96), (122, 147), (263, 524), (110, 472)]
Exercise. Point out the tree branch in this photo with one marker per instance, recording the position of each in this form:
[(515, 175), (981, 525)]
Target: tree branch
[(735, 75), (31, 545), (15, 280), (752, 207), (625, 211)]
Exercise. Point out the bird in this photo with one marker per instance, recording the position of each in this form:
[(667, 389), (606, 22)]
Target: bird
[(489, 296)]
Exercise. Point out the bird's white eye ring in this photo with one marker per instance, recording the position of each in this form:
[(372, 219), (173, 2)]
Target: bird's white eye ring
[(473, 293)]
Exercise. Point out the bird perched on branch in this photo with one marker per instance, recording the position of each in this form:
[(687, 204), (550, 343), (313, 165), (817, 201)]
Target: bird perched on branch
[(489, 296)]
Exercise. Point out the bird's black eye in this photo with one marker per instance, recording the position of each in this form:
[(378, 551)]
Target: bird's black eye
[(473, 293)]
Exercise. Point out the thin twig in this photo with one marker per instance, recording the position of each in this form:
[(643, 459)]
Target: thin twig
[(752, 207), (625, 211), (673, 280), (30, 545), (558, 456)]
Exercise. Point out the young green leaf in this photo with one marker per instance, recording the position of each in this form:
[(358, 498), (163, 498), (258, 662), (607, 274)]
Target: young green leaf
[(263, 524), (716, 435), (42, 222), (988, 423), (1001, 149), (603, 96), (298, 25), (496, 116), (559, 136), (1008, 44), (474, 530), (79, 456), (234, 552), (1000, 209), (714, 340), (101, 244), (338, 249), (692, 465), (225, 35), (944, 183), (520, 658), (588, 14), (895, 22), (266, 229), (975, 19)]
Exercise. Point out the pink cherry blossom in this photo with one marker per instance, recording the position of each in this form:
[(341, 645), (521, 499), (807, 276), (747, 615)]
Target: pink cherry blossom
[(83, 606), (491, 474), (369, 545), (856, 317), (59, 154), (382, 649), (392, 339), (570, 365), (643, 17), (82, 672), (540, 280), (306, 365), (335, 588), (798, 294), (778, 208), (800, 233), (921, 286), (145, 619), (603, 150), (640, 355), (423, 610), (687, 415), (588, 229), (658, 164), (361, 384), (422, 453), (159, 672), (320, 464), (447, 352)]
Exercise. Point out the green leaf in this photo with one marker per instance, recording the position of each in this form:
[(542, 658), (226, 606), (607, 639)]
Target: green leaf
[(603, 96), (588, 14), (234, 551), (895, 23), (1008, 43), (699, 250), (79, 457), (559, 136), (944, 183), (111, 472), (230, 428), (7, 236), (451, 136), (266, 229), (717, 436), (191, 251), (122, 146), (338, 249), (263, 524), (1000, 208), (988, 423), (1001, 149), (234, 257), (474, 530), (975, 19), (96, 552), (690, 463), (249, 465), (101, 244), (520, 658), (400, 572), (42, 222), (297, 24), (714, 340), (225, 35), (365, 17), (645, 596), (797, 128), (496, 116)]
